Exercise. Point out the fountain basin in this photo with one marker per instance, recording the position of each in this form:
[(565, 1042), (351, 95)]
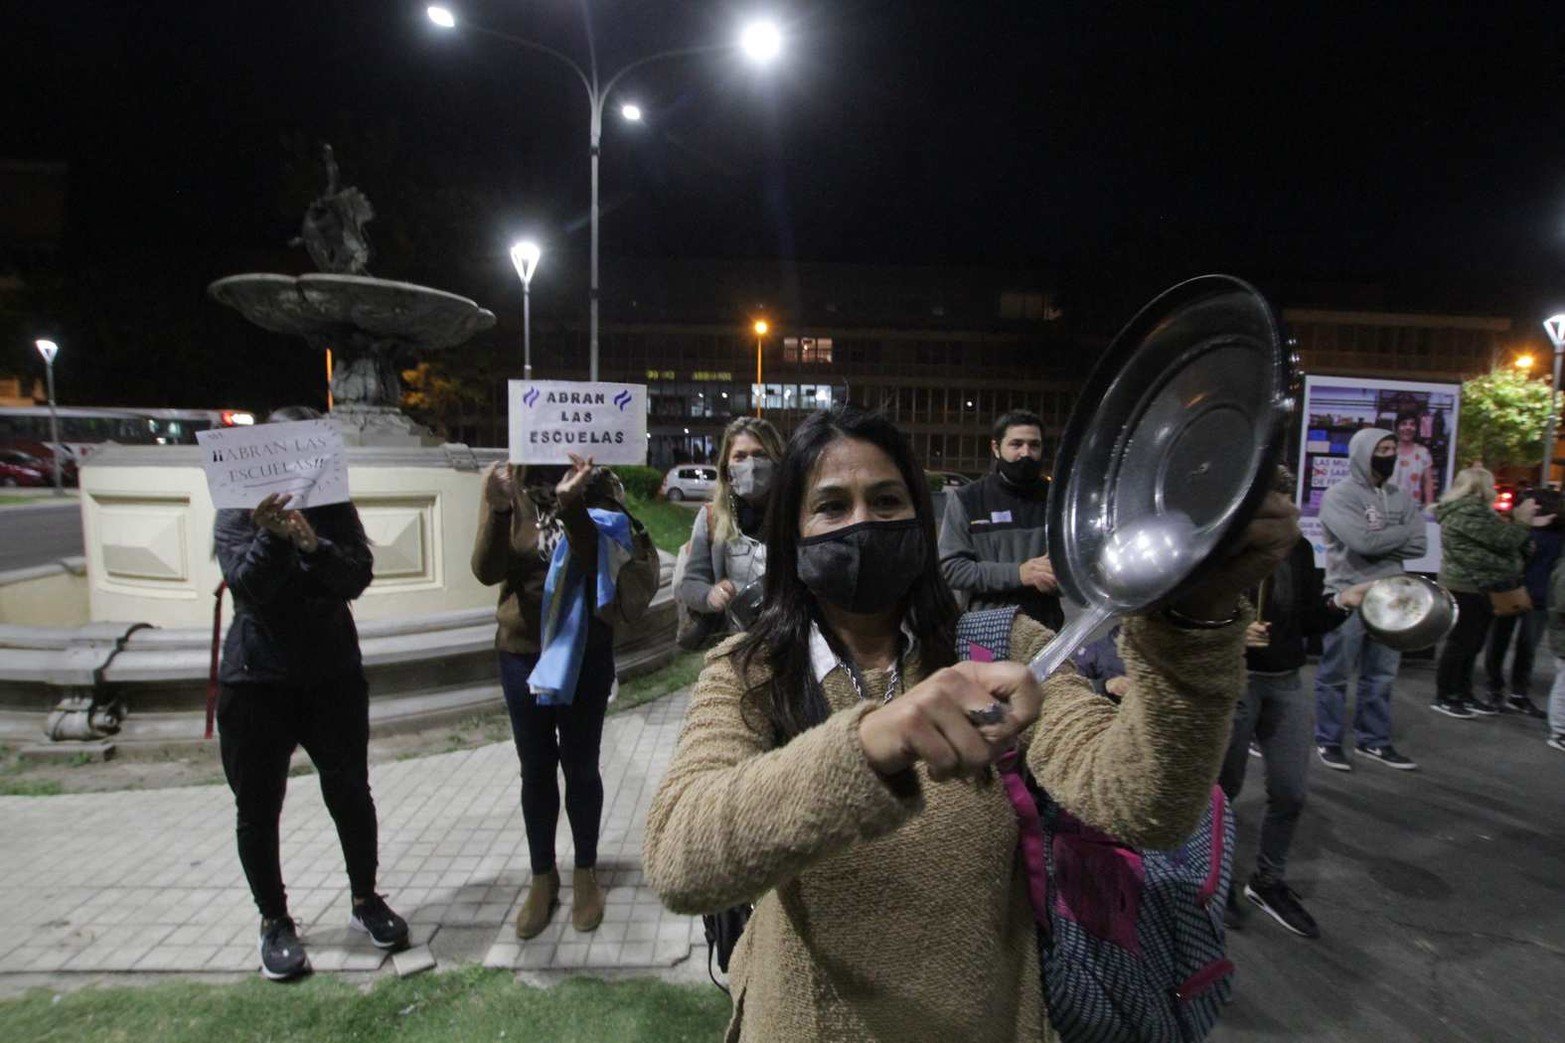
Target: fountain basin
[(336, 306)]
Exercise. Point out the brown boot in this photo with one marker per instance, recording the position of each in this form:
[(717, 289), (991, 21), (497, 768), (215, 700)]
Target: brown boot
[(587, 902), (541, 899)]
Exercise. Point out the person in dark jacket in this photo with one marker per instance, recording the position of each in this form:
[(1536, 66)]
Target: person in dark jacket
[(994, 545), (292, 676), (1279, 715), (1528, 627)]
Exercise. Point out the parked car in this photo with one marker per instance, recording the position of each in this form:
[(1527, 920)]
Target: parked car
[(689, 482), (38, 455), (953, 480), (17, 468)]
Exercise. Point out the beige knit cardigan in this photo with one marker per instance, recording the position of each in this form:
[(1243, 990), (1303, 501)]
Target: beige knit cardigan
[(896, 909)]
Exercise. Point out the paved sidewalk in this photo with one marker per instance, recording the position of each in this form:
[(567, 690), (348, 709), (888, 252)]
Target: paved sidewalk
[(150, 880)]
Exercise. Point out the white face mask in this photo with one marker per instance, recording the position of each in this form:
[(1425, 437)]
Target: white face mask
[(751, 477)]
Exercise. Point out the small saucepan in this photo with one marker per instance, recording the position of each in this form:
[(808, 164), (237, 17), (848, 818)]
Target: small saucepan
[(1408, 613)]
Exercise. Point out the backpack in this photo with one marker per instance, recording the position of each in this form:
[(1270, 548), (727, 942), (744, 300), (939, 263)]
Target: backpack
[(693, 629), (1130, 941)]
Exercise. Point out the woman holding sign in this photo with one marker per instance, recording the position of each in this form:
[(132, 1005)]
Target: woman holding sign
[(292, 676), (550, 536)]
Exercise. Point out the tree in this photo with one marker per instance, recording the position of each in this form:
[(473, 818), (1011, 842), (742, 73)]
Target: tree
[(1502, 420)]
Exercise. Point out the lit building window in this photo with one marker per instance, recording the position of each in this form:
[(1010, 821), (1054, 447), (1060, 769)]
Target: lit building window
[(807, 350)]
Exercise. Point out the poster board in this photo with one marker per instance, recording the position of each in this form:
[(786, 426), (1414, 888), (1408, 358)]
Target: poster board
[(550, 419), (303, 458), (1337, 408)]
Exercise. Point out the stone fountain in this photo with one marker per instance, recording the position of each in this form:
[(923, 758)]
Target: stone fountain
[(119, 643), (371, 326)]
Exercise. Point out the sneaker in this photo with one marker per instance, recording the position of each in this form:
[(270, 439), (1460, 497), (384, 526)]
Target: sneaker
[(1483, 707), (1255, 749), (1557, 742), (1388, 756), (1279, 901), (1519, 703), (1233, 912), (282, 954), (1452, 709), (374, 917), (1332, 757)]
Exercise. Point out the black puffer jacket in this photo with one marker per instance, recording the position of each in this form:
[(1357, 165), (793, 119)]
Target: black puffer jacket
[(291, 618)]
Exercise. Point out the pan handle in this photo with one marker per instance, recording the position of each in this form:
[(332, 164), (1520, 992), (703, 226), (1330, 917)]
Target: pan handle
[(1075, 634)]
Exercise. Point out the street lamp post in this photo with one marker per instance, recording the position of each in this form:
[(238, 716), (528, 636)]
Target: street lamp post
[(524, 255), (1554, 326), (49, 349), (760, 41), (760, 333)]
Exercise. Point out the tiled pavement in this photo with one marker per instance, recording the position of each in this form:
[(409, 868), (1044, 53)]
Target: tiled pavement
[(150, 881)]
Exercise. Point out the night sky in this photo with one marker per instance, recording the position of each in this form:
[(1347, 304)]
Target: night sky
[(1418, 148)]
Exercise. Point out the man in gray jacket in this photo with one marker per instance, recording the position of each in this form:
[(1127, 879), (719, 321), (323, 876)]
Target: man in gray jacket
[(994, 544), (1371, 528)]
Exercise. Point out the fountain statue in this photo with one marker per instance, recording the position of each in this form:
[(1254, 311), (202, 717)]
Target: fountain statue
[(372, 326)]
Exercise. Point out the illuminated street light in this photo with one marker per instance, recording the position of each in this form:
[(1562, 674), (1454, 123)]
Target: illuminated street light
[(49, 349), (524, 255), (761, 327), (1554, 326), (761, 41), (1523, 362)]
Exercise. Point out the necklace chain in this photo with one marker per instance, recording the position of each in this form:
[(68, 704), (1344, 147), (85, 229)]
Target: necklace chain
[(893, 682)]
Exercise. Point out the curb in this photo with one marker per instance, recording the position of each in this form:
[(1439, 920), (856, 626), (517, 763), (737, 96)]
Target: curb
[(68, 502)]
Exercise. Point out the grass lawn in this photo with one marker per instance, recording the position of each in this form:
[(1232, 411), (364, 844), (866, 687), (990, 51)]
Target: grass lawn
[(667, 523), (470, 1004), (682, 671)]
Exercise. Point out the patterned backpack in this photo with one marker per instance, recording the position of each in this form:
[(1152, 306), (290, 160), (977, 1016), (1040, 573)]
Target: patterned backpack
[(1130, 942)]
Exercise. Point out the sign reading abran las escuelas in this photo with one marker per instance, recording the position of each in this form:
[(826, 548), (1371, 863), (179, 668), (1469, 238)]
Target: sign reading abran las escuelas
[(550, 419), (303, 458)]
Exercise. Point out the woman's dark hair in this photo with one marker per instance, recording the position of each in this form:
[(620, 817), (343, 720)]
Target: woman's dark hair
[(791, 701), (287, 413)]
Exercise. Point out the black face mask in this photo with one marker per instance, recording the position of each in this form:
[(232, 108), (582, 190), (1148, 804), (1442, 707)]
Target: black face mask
[(1023, 472), (866, 567), (1383, 465)]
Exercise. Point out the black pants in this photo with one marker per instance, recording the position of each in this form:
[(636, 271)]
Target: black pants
[(1529, 628), (259, 727), (1454, 675), (552, 738)]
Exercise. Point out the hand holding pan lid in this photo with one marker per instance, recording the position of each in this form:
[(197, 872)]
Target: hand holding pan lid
[(1168, 453)]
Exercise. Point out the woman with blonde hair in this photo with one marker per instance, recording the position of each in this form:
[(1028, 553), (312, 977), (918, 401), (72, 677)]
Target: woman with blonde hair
[(1480, 553), (726, 553)]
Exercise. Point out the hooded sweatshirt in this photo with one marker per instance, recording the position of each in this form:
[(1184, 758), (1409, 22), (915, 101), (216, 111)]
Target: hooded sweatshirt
[(1370, 531)]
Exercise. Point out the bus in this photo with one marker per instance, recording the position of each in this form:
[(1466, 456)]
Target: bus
[(84, 428)]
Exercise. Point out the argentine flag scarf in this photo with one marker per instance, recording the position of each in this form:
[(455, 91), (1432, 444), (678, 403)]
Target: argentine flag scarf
[(565, 608)]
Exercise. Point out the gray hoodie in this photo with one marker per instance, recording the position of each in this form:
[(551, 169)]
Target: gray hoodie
[(1369, 531)]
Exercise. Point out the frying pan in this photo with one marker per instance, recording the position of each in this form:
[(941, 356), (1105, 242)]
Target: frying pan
[(1166, 457)]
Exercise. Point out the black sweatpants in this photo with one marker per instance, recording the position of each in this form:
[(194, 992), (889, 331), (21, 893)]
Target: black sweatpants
[(1454, 673), (260, 725), (552, 738)]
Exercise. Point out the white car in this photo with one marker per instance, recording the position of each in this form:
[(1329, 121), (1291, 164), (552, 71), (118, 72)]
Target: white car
[(689, 482)]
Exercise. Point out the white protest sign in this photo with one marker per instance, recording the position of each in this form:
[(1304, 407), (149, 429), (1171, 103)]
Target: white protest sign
[(303, 458), (551, 419)]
